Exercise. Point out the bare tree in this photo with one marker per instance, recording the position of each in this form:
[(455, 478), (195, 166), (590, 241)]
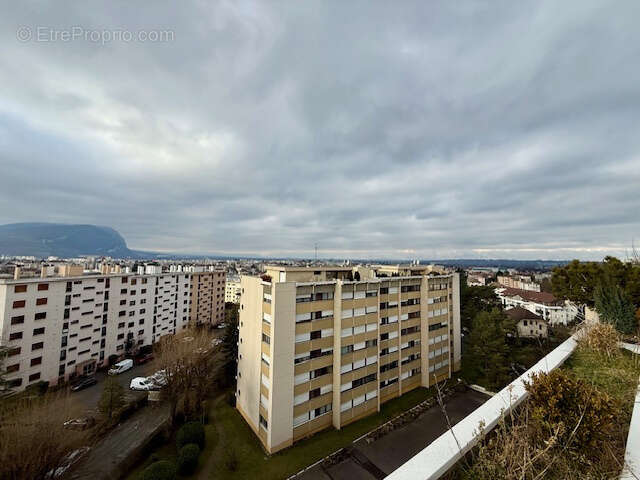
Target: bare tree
[(33, 440), (189, 364)]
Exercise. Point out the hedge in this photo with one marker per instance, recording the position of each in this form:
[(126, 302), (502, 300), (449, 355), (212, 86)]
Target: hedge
[(191, 432), (162, 470), (188, 459)]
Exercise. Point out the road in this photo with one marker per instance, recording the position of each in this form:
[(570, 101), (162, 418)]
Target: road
[(90, 396)]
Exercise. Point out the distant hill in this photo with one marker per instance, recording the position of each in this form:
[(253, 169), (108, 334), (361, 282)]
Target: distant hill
[(60, 240)]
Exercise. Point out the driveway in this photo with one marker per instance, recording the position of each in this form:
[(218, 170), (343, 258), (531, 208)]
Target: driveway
[(378, 459)]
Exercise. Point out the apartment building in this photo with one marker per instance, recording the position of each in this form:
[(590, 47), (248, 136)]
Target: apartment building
[(207, 296), (519, 282), (58, 327), (232, 291), (326, 346), (551, 309)]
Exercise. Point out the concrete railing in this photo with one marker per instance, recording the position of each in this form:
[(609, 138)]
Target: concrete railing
[(436, 459), (631, 468)]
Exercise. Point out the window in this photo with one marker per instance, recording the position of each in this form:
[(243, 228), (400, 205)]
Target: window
[(36, 361), (40, 315), (41, 301), (34, 377), (266, 339), (13, 368), (38, 331), (17, 320), (19, 304), (37, 346), (20, 289), (15, 336), (43, 286), (263, 421)]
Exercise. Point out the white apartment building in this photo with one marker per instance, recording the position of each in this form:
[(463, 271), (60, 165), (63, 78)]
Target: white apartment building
[(59, 327), (232, 291), (544, 304)]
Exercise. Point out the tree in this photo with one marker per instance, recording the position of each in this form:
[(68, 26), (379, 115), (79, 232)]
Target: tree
[(577, 280), (112, 399), (474, 300), (33, 439), (188, 360), (487, 357), (614, 307), (230, 343)]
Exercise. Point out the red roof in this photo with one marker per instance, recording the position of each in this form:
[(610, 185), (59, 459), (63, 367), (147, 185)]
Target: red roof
[(519, 313), (537, 297)]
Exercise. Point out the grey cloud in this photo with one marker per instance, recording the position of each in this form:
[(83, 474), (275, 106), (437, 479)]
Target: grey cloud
[(431, 130)]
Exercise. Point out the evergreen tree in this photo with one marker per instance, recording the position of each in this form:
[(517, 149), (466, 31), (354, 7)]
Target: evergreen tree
[(112, 399), (487, 355), (614, 307)]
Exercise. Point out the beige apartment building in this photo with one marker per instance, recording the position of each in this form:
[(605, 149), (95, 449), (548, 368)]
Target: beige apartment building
[(66, 323), (326, 346)]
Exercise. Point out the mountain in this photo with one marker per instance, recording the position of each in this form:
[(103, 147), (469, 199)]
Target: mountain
[(60, 240)]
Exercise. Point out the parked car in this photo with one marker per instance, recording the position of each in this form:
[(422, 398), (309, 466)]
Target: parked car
[(83, 383), (144, 358), (80, 423), (144, 384), (159, 378), (67, 462), (120, 367), (221, 325), (216, 341)]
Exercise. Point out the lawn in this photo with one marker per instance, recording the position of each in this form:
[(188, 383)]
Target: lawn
[(229, 438)]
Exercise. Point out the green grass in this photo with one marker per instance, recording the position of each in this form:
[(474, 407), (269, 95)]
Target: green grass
[(617, 376), (228, 432), (168, 451)]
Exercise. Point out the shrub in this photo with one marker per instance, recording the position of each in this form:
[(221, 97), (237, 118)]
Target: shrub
[(191, 432), (188, 458), (601, 338), (581, 415), (162, 470)]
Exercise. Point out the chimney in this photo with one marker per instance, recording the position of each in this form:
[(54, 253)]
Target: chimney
[(16, 273)]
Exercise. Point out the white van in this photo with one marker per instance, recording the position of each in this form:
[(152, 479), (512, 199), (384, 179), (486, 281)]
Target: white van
[(143, 383), (121, 366)]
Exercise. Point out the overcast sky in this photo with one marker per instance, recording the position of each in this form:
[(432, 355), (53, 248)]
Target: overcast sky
[(376, 129)]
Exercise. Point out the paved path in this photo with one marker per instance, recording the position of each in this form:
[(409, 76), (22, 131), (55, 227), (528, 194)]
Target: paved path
[(116, 453), (376, 460)]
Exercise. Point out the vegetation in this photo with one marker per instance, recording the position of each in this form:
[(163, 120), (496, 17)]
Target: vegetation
[(233, 452), (614, 306), (33, 439), (4, 385), (188, 458), (574, 424), (112, 399), (191, 369), (191, 432), (230, 343), (493, 355), (578, 281), (486, 359), (162, 470)]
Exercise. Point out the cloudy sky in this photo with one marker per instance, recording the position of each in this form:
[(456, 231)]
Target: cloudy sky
[(375, 129)]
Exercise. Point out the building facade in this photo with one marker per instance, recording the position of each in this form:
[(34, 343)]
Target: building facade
[(63, 326), (321, 347), (551, 309), (520, 282), (232, 291)]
